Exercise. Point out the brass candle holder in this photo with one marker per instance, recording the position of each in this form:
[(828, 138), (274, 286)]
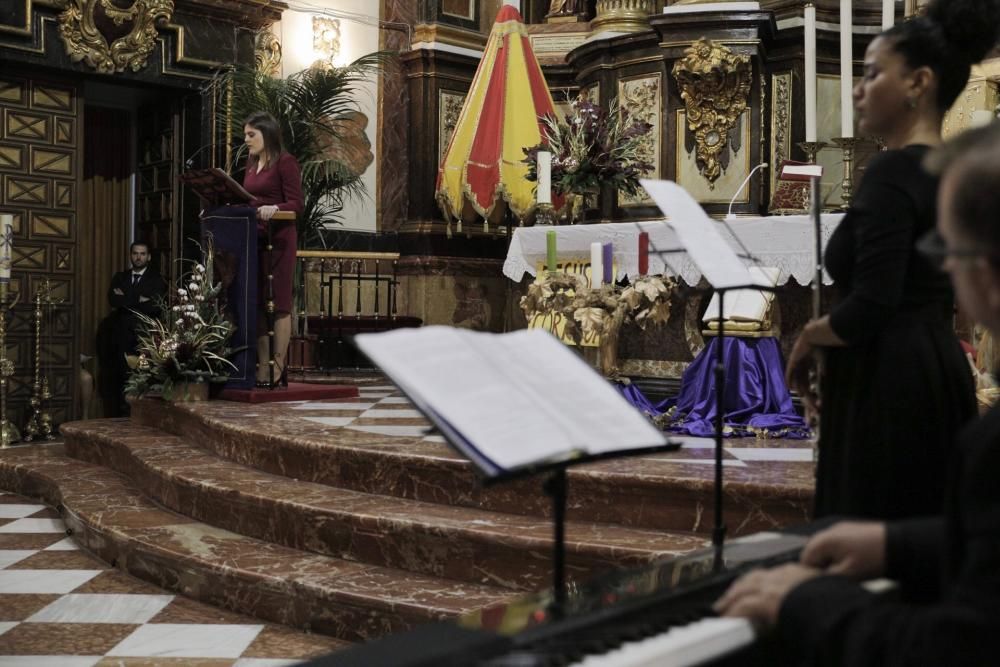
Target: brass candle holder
[(40, 422), (848, 146), (8, 432), (544, 215), (812, 149)]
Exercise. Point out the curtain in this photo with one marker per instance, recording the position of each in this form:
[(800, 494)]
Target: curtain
[(104, 224)]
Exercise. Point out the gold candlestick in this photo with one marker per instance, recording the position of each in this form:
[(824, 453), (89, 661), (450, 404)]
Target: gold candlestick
[(8, 432), (544, 216), (812, 149), (847, 145), (40, 422)]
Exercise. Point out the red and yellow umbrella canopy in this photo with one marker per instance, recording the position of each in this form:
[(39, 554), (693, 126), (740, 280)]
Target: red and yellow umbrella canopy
[(502, 115)]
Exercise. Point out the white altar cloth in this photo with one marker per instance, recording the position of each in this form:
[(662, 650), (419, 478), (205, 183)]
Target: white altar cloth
[(786, 242)]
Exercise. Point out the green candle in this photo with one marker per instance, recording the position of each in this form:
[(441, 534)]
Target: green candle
[(550, 250)]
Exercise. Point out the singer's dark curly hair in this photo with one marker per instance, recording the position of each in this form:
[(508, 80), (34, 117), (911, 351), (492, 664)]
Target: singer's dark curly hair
[(270, 130), (949, 37)]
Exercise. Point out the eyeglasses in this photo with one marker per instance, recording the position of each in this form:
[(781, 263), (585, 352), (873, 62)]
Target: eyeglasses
[(937, 252)]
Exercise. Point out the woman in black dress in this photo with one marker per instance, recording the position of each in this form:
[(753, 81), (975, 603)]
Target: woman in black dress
[(896, 386)]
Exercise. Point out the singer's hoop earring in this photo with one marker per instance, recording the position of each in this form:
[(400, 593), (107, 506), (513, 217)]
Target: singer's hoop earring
[(911, 103)]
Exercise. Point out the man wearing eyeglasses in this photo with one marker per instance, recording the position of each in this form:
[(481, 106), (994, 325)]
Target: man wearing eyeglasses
[(947, 566)]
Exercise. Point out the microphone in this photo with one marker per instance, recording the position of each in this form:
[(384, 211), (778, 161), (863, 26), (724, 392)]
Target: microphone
[(729, 214), (189, 163)]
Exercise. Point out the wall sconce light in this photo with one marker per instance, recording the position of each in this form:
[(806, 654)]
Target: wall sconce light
[(326, 41)]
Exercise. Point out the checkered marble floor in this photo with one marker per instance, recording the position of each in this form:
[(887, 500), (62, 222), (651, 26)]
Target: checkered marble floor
[(383, 410), (61, 607)]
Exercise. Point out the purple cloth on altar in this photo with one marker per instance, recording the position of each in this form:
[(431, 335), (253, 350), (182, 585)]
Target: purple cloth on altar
[(757, 400)]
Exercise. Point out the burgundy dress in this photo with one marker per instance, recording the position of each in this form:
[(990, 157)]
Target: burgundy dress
[(279, 184)]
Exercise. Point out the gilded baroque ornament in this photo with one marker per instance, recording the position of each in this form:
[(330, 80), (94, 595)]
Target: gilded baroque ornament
[(715, 86), (112, 35), (267, 53), (641, 99)]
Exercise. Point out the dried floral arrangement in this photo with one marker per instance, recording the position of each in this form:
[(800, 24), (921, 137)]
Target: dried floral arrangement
[(190, 343), (592, 147), (589, 312)]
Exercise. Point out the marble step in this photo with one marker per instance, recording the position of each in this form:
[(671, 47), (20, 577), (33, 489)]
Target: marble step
[(334, 447), (112, 518), (508, 550)]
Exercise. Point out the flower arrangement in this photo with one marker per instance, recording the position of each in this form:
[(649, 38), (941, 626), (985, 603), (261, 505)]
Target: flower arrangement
[(189, 345), (602, 311), (593, 147)]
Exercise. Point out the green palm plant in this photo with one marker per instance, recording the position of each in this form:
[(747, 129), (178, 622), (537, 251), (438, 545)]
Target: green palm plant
[(314, 108)]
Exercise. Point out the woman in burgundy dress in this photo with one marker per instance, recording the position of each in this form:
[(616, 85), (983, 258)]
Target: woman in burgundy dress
[(274, 179)]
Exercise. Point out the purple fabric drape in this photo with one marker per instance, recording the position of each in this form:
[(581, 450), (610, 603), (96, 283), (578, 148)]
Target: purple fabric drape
[(756, 402)]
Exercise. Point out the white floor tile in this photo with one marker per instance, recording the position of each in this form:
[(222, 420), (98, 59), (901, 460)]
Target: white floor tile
[(10, 556), (380, 387), (102, 608), (435, 438), (726, 463), (399, 431), (67, 544), (360, 407), (394, 400), (49, 660), (370, 395), (5, 626), (187, 640), (44, 581), (804, 454), (19, 511), (392, 414), (330, 421), (34, 526)]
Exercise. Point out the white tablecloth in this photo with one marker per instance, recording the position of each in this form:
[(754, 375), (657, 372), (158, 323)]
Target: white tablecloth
[(786, 242)]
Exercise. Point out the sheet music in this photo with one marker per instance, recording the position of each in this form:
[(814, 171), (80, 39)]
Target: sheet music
[(517, 398), (699, 236)]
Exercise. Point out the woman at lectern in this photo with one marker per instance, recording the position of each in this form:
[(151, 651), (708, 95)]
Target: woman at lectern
[(895, 386), (274, 179), (947, 611)]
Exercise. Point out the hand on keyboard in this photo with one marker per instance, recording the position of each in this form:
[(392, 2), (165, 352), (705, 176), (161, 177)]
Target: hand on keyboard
[(853, 549), (758, 595)]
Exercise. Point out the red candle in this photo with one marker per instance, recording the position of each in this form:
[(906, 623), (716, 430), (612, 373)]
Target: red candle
[(643, 253)]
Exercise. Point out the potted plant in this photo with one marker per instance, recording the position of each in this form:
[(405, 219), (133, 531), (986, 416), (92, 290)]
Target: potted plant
[(182, 352), (321, 126), (590, 148)]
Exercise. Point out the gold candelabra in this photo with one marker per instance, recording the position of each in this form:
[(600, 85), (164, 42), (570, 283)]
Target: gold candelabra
[(848, 146), (40, 422), (8, 432), (812, 149)]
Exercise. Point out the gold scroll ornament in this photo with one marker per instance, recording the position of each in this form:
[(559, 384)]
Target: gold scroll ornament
[(715, 86), (112, 35)]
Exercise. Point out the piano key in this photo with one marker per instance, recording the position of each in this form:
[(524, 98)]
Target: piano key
[(683, 646)]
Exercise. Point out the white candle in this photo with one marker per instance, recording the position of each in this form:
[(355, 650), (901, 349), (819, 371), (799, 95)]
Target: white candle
[(888, 14), (596, 265), (846, 70), (544, 177), (6, 245), (810, 34)]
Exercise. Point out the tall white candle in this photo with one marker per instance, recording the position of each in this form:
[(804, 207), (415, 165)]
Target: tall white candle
[(544, 177), (810, 34), (596, 265), (6, 245), (888, 14), (846, 70)]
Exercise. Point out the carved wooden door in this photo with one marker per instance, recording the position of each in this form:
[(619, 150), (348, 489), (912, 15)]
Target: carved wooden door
[(40, 177)]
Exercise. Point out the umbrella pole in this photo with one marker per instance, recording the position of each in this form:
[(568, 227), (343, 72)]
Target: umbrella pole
[(508, 307)]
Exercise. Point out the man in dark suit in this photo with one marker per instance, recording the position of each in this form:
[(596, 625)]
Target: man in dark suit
[(140, 289)]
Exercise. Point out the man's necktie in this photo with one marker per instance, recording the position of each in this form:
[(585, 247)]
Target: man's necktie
[(135, 278)]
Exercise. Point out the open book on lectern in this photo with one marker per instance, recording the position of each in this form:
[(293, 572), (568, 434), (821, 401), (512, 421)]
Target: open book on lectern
[(699, 236), (519, 401)]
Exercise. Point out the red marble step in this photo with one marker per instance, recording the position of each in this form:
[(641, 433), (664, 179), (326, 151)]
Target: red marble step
[(508, 550), (647, 492), (110, 517)]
